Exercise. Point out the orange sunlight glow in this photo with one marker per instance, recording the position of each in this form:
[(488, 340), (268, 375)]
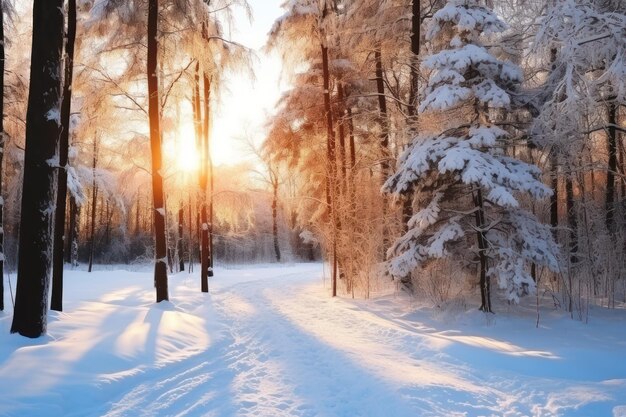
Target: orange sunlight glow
[(187, 154)]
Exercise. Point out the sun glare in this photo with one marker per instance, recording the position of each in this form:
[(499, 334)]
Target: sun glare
[(188, 156)]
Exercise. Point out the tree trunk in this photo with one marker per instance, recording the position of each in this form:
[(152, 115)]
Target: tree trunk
[(56, 301), (160, 265), (342, 136), (275, 215), (1, 155), (94, 202), (181, 254), (485, 285), (331, 166), (208, 173), (205, 257), (383, 119), (204, 260), (554, 198), (38, 191), (211, 216), (108, 216), (191, 244), (571, 219), (415, 51), (416, 23), (610, 175), (73, 232)]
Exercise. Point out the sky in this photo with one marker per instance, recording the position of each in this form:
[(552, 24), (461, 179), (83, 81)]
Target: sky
[(244, 107)]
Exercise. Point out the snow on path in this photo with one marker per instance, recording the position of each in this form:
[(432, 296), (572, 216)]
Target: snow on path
[(271, 342)]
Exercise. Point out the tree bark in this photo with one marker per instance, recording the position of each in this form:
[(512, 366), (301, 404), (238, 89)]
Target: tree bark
[(383, 119), (191, 244), (160, 265), (610, 175), (571, 218), (554, 198), (204, 261), (94, 202), (415, 50), (275, 184), (208, 170), (73, 231), (42, 136), (331, 166), (204, 150), (342, 136), (56, 301), (485, 285), (1, 155), (181, 254), (416, 24)]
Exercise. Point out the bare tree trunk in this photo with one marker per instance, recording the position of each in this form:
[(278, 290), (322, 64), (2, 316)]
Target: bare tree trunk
[(191, 244), (204, 260), (211, 216), (485, 285), (275, 184), (1, 155), (416, 23), (107, 223), (571, 218), (208, 173), (94, 202), (56, 301), (73, 231), (331, 167), (181, 255), (383, 118), (38, 191), (160, 266), (554, 198), (342, 136), (204, 149), (610, 175)]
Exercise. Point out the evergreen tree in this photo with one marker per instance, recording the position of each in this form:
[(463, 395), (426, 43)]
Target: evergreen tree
[(465, 184)]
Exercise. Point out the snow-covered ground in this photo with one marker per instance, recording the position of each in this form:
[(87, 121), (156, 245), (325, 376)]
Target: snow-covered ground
[(269, 341)]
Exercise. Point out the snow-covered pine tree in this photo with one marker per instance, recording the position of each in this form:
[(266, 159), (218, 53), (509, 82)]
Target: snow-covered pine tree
[(465, 184)]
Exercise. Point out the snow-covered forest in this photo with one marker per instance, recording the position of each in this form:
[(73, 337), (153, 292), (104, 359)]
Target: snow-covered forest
[(313, 208)]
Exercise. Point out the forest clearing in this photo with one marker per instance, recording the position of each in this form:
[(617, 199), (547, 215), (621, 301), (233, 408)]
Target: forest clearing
[(313, 208)]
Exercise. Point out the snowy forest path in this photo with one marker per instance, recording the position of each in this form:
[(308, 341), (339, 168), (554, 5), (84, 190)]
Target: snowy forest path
[(288, 349), (269, 341)]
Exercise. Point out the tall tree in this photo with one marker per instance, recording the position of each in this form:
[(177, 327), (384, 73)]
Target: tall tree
[(160, 266), (1, 154), (43, 127), (207, 234), (94, 203), (180, 241), (56, 301)]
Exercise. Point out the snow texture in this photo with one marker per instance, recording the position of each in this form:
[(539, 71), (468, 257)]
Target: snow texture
[(269, 341)]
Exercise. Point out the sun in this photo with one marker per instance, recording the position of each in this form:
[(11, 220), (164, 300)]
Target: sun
[(187, 153)]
